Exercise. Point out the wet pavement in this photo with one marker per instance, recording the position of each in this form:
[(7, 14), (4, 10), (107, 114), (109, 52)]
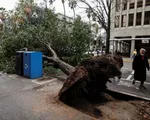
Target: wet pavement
[(125, 86)]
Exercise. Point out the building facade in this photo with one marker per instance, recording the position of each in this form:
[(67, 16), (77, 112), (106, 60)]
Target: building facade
[(130, 28)]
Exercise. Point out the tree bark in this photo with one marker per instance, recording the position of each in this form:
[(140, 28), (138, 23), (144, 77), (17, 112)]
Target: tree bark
[(108, 33), (74, 13), (65, 67), (107, 41), (63, 2), (52, 51)]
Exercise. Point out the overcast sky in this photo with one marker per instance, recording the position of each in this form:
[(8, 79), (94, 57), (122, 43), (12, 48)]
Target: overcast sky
[(10, 4)]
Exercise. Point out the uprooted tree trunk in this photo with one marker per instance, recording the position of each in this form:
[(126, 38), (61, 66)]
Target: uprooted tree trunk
[(65, 67), (86, 81)]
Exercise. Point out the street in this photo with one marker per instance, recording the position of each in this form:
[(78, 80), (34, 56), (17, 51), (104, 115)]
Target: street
[(124, 85), (127, 72)]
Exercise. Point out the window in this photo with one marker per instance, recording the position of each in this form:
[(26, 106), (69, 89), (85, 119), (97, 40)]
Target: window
[(123, 21), (147, 18), (138, 18), (117, 5), (131, 5), (131, 17), (124, 4), (139, 3), (147, 3), (117, 21)]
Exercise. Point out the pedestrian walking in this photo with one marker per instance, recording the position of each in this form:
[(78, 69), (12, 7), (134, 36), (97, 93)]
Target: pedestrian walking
[(139, 65)]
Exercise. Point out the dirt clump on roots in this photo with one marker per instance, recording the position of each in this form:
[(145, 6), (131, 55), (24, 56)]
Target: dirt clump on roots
[(88, 82)]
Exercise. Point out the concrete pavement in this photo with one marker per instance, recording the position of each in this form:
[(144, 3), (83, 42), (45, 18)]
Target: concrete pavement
[(125, 86), (21, 100)]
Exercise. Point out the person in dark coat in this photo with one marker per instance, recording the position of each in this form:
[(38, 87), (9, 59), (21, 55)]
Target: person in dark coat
[(139, 65)]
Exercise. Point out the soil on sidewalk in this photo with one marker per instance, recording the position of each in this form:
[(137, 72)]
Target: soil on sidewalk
[(113, 109)]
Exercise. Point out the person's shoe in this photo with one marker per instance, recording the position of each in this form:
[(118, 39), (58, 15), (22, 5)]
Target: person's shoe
[(142, 87), (133, 82)]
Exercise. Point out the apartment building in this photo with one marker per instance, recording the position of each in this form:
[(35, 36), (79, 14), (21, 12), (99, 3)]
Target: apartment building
[(130, 28)]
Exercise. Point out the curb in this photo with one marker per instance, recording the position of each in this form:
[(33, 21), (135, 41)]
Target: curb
[(127, 61), (129, 94), (131, 61)]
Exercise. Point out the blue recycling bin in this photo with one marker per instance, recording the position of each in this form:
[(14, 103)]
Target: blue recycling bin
[(32, 63)]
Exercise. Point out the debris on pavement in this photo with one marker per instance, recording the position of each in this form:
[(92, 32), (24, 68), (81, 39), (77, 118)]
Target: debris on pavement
[(143, 108)]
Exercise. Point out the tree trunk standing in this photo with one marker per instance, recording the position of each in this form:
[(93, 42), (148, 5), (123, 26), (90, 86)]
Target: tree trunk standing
[(45, 3), (64, 10), (108, 32), (107, 41), (74, 13), (102, 50), (90, 42), (63, 2)]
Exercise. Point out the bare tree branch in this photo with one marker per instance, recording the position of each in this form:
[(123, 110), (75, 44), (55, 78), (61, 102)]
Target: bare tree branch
[(102, 12), (100, 17), (104, 6)]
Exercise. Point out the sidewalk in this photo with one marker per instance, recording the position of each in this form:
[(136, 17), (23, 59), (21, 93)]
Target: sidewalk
[(125, 87), (22, 99), (130, 60)]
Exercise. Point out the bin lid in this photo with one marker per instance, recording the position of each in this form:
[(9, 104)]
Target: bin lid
[(20, 51), (29, 51)]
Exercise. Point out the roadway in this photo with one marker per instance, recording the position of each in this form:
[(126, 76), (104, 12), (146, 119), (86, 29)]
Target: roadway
[(124, 85)]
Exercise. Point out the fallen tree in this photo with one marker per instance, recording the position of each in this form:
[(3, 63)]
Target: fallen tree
[(87, 80)]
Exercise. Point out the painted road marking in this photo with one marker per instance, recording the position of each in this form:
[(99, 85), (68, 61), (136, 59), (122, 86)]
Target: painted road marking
[(125, 84), (129, 77), (125, 68), (136, 81), (132, 72), (130, 94)]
